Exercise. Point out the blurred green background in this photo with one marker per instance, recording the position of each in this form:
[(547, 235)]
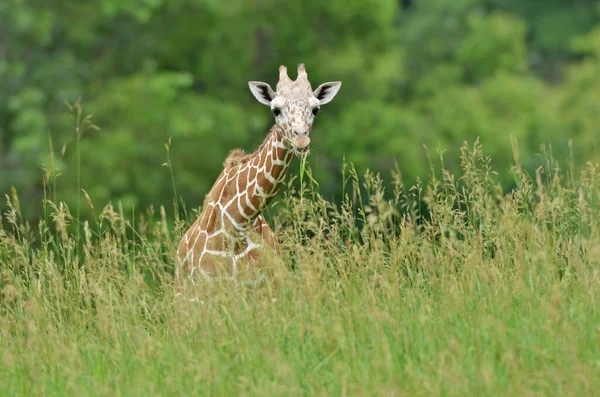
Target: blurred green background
[(414, 73)]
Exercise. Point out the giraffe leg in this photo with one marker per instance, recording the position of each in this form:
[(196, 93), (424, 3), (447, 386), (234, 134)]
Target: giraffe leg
[(266, 259), (262, 228)]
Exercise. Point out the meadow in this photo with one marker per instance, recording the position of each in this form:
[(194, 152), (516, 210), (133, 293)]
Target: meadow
[(451, 287)]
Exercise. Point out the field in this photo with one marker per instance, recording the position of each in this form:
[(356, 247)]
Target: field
[(447, 288)]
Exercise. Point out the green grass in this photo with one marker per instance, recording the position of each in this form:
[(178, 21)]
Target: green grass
[(481, 294)]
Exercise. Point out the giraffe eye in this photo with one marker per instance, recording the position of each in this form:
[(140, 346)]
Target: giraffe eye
[(276, 112), (315, 111)]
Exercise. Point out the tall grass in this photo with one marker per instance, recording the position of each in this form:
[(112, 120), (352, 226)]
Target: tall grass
[(445, 288)]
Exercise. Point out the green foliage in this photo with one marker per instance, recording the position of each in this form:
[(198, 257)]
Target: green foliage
[(493, 44), (415, 73)]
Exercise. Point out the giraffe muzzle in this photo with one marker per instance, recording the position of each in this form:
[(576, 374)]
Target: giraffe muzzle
[(301, 142)]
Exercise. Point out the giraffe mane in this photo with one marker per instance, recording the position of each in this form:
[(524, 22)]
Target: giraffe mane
[(238, 157), (235, 158)]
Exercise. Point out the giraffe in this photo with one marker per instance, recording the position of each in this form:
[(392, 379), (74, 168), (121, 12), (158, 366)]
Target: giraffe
[(230, 231)]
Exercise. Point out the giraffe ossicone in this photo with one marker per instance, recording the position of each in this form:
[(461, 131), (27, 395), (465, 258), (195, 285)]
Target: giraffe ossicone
[(226, 239)]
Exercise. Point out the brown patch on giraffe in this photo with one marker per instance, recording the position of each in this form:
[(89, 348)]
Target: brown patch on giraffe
[(216, 243), (233, 211), (240, 203), (239, 246), (288, 157), (281, 154), (276, 171), (241, 223), (260, 156), (208, 264), (254, 199), (252, 173), (252, 257), (242, 180), (215, 192), (247, 210), (277, 168), (229, 190), (214, 264), (264, 231), (194, 237), (268, 163), (264, 183), (210, 220)]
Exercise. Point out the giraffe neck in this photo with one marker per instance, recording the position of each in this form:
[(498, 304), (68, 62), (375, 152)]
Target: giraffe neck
[(255, 179)]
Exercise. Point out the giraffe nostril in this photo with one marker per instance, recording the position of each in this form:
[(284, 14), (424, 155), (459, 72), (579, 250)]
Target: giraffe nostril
[(301, 133)]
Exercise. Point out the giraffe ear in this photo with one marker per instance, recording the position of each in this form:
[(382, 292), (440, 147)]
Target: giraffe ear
[(262, 91), (326, 91)]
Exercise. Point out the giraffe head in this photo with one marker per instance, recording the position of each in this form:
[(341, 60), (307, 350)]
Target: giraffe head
[(294, 104)]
